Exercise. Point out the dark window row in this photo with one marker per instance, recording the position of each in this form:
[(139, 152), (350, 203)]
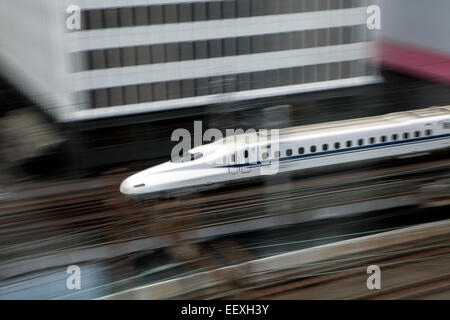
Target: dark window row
[(204, 49), (359, 142), (202, 11), (228, 83)]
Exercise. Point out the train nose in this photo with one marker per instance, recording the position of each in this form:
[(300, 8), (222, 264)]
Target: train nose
[(131, 186), (125, 187)]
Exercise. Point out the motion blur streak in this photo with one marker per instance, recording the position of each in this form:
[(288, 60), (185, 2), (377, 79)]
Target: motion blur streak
[(98, 200)]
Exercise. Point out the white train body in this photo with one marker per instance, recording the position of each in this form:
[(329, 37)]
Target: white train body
[(296, 148)]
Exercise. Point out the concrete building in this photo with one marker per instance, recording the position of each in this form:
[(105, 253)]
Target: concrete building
[(142, 56)]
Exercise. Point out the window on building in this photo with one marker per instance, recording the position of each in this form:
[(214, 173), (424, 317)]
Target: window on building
[(214, 10), (156, 14), (201, 49), (141, 16), (199, 11), (185, 12), (126, 17), (172, 52), (229, 9)]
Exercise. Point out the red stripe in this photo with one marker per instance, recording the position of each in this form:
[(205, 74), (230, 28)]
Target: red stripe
[(413, 60)]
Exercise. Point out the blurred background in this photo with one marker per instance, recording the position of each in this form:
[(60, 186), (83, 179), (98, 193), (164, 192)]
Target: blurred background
[(81, 109)]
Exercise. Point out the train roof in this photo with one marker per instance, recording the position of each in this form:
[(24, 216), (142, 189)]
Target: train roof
[(385, 120), (390, 119)]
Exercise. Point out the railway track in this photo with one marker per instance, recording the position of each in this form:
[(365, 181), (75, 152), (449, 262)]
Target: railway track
[(345, 275), (348, 281), (94, 214), (414, 264)]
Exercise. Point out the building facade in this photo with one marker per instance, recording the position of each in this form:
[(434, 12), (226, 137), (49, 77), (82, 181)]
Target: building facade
[(139, 56)]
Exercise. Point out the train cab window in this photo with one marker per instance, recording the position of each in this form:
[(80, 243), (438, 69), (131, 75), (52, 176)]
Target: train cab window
[(394, 137), (372, 140), (360, 142), (383, 138), (313, 148), (405, 135), (325, 147), (348, 143), (289, 152), (277, 154), (265, 156), (417, 134), (301, 150), (337, 145), (196, 156), (428, 132)]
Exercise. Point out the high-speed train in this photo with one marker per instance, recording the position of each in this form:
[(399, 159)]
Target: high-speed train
[(253, 154)]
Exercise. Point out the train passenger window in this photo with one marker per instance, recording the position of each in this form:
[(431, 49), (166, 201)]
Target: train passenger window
[(446, 125), (337, 145), (301, 150), (348, 144), (360, 142), (405, 135), (325, 147), (289, 152), (265, 155), (313, 148), (233, 158), (417, 134), (383, 138), (246, 154), (277, 154), (394, 137), (372, 140), (428, 132)]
